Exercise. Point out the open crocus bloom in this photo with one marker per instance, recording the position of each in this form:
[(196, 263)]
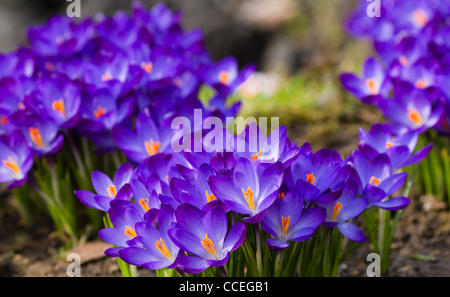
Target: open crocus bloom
[(346, 207), (372, 85), (248, 192), (206, 236), (108, 190), (287, 220), (16, 160)]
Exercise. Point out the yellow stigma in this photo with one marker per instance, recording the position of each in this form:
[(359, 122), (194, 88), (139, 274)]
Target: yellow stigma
[(11, 164), (223, 77), (248, 195), (112, 191), (256, 156), (107, 76), (208, 245), (389, 144), (336, 210), (152, 147), (99, 112), (310, 178), (36, 137), (374, 181), (210, 197), (403, 60), (58, 105), (421, 84), (147, 67), (130, 232), (3, 120), (281, 195), (285, 223), (420, 18), (21, 106), (414, 116), (371, 84), (144, 203), (161, 246)]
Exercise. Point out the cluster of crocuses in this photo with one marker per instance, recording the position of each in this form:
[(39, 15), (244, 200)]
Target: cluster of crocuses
[(188, 211), (121, 80), (408, 81), (91, 77)]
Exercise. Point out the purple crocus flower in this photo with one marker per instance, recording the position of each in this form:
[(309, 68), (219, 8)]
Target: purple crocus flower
[(318, 176), (287, 220), (225, 77), (248, 192), (58, 98), (196, 192), (377, 172), (206, 236), (16, 160), (17, 63), (378, 198), (346, 207), (373, 84), (101, 111), (398, 145), (124, 217), (157, 250), (60, 36), (41, 133), (108, 190), (411, 107), (142, 143), (252, 144)]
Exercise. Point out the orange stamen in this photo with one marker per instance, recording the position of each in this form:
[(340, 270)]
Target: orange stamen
[(256, 156), (310, 178), (389, 144), (58, 105), (285, 223), (403, 60), (99, 112), (144, 203), (161, 246), (281, 195), (130, 232), (421, 84), (36, 137), (3, 120), (414, 116), (336, 210), (208, 245), (371, 84), (12, 165), (223, 77), (374, 181), (420, 18), (107, 76), (152, 147), (21, 106), (210, 197), (147, 67), (248, 195), (112, 191)]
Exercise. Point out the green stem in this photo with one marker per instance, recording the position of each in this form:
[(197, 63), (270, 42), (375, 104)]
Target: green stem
[(258, 248)]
